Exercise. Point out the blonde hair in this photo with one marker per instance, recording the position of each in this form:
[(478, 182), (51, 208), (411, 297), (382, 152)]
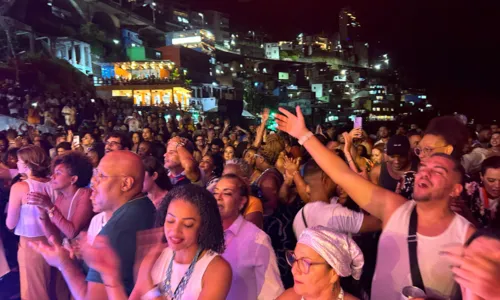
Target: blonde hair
[(272, 149)]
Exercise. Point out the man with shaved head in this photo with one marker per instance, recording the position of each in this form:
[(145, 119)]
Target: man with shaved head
[(117, 192)]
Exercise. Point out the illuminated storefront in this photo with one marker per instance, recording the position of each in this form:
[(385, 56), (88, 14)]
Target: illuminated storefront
[(137, 70), (160, 95)]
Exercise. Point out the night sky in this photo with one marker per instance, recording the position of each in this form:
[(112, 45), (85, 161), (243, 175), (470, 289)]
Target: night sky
[(450, 48)]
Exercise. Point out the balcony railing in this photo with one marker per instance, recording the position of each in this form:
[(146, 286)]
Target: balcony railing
[(137, 81)]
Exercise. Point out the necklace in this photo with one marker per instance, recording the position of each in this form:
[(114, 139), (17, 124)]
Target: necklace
[(177, 295), (339, 297)]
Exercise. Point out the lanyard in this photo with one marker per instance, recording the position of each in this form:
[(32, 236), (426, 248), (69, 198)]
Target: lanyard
[(184, 280)]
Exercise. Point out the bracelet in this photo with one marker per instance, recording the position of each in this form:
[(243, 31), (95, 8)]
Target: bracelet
[(305, 137), (152, 294), (111, 286)]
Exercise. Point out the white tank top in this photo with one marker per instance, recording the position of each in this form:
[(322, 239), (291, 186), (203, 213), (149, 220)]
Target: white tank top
[(392, 272), (193, 287), (29, 224)]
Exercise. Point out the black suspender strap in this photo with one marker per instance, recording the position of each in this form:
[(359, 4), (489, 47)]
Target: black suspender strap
[(416, 277), (304, 217)]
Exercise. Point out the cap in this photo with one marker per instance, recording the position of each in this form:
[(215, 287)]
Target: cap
[(398, 145)]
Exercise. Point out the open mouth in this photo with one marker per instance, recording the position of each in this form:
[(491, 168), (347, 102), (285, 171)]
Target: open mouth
[(423, 185), (175, 241)]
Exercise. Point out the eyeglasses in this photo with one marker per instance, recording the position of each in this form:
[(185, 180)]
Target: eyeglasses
[(112, 144), (99, 176), (426, 151), (303, 264), (258, 156)]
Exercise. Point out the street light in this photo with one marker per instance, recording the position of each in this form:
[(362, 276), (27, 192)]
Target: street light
[(343, 72), (377, 67), (202, 19), (385, 55), (116, 41), (386, 61)]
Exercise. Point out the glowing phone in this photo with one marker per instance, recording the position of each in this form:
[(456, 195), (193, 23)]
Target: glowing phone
[(358, 122), (76, 139)]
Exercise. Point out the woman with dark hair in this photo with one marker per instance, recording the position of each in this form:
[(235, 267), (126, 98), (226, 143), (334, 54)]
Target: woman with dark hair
[(257, 276), (96, 153), (156, 181), (136, 139), (34, 162), (229, 152), (72, 210), (443, 135), (483, 196), (212, 166), (190, 267)]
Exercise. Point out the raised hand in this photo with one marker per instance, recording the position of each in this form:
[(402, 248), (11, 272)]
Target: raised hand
[(292, 124), (477, 267), (347, 142), (53, 253), (265, 115), (101, 257)]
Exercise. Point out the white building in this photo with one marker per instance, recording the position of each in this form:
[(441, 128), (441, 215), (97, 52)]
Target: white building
[(272, 50), (77, 53)]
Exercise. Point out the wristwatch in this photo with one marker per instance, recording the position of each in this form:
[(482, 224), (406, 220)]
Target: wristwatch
[(50, 212)]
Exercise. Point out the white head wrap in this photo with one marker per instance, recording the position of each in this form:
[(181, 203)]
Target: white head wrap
[(338, 249)]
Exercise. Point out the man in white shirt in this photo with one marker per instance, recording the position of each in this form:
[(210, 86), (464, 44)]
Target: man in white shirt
[(248, 249), (325, 212), (437, 181)]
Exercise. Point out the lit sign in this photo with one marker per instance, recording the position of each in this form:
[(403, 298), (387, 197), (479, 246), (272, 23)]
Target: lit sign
[(186, 40), (340, 78), (283, 75)]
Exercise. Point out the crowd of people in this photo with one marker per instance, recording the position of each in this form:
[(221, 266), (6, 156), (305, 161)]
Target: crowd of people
[(148, 207)]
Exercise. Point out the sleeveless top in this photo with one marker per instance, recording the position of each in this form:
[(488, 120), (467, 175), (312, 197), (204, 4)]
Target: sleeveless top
[(193, 287), (392, 271), (385, 180), (29, 224)]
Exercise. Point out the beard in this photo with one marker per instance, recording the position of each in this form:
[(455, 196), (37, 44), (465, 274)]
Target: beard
[(424, 197)]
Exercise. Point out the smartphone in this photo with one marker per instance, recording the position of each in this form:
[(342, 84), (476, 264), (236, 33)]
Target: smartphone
[(76, 139), (92, 100), (358, 122)]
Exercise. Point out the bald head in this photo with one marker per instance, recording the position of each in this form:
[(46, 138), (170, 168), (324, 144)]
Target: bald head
[(124, 163)]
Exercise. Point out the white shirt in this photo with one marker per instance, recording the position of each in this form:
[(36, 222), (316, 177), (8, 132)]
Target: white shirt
[(193, 286), (472, 161), (253, 262), (392, 272), (69, 115), (331, 215), (133, 124), (96, 224)]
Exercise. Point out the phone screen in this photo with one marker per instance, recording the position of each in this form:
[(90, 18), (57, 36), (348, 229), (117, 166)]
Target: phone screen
[(358, 122), (76, 139)]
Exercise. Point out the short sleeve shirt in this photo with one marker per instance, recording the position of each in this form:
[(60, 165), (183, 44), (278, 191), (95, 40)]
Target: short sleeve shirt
[(121, 229)]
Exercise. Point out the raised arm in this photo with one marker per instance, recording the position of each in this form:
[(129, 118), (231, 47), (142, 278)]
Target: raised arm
[(376, 200), (187, 160), (261, 129)]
